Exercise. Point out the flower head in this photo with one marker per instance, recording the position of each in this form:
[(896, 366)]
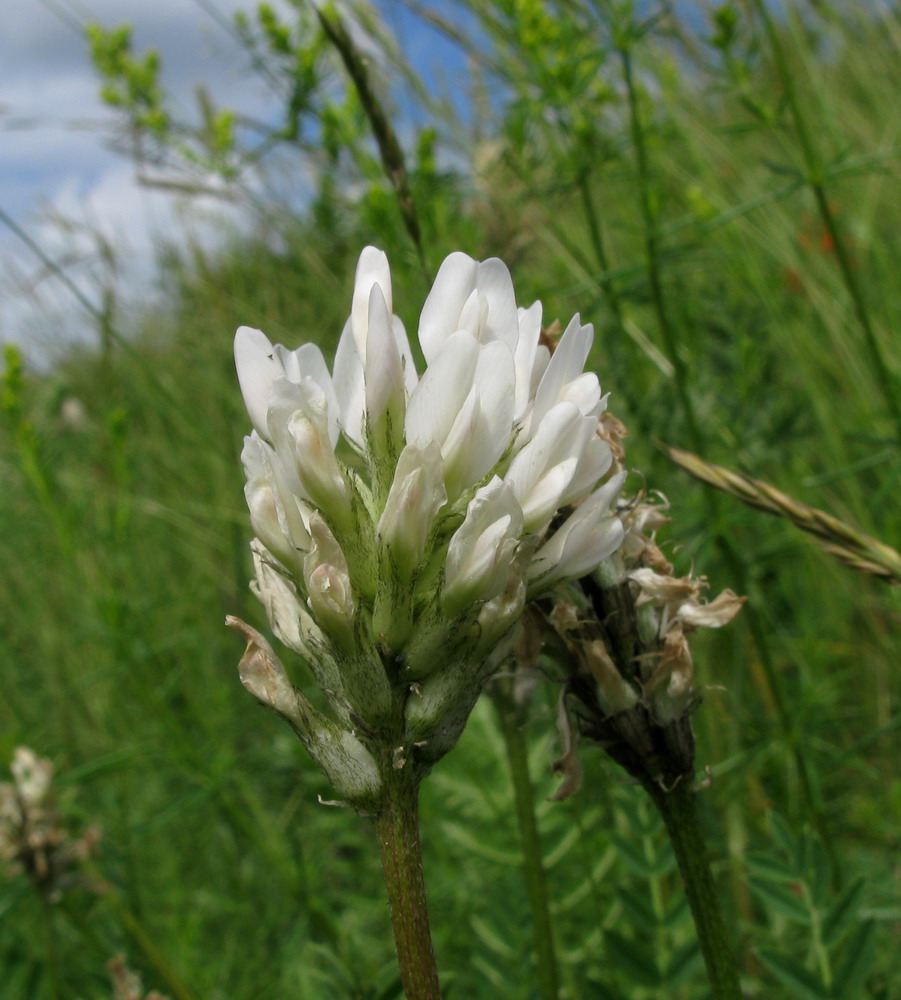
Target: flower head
[(407, 516)]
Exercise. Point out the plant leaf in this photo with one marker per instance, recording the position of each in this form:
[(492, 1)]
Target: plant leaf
[(781, 900), (842, 912), (637, 963), (856, 960), (794, 976)]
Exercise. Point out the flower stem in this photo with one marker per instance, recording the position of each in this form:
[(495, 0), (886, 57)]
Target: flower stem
[(530, 841), (678, 810), (397, 827)]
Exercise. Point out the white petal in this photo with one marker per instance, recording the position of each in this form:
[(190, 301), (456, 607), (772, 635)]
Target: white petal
[(416, 496), (258, 367), (524, 357), (440, 315), (482, 549), (307, 362), (596, 459), (406, 355), (384, 372), (585, 391), (495, 379), (493, 281), (468, 295), (565, 365), (372, 269), (561, 435), (442, 391), (349, 388), (583, 541), (483, 427), (544, 498)]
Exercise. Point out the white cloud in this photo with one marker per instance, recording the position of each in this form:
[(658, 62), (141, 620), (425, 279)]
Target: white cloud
[(55, 160)]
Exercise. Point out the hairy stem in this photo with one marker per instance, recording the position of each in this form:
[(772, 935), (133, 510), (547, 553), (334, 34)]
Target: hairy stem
[(397, 827), (678, 809), (530, 841)]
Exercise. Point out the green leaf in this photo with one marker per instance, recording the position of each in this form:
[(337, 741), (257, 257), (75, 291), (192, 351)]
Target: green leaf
[(794, 976), (783, 834), (637, 963), (602, 991), (492, 938), (781, 900), (772, 869), (638, 910), (677, 913), (662, 862), (460, 835), (857, 957), (683, 964), (843, 912)]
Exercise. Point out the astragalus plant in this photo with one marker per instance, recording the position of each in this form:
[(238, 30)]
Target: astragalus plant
[(402, 520)]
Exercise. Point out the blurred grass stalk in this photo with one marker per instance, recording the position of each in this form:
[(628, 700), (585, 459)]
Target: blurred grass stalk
[(815, 174), (510, 717)]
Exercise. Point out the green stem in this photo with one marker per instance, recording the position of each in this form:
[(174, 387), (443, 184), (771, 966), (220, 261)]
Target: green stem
[(678, 809), (390, 150), (815, 180), (51, 951), (138, 933), (530, 841), (397, 827), (652, 250), (637, 411)]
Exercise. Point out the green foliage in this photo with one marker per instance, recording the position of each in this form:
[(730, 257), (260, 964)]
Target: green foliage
[(823, 938), (656, 178), (130, 84)]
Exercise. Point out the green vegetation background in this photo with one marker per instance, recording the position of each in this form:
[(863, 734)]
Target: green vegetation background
[(720, 197)]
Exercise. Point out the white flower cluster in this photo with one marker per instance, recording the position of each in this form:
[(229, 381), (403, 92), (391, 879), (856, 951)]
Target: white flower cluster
[(403, 519)]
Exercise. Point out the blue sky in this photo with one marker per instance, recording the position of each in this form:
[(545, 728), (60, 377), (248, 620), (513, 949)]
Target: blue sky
[(55, 163)]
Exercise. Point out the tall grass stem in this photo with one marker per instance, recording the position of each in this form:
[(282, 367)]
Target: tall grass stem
[(530, 843)]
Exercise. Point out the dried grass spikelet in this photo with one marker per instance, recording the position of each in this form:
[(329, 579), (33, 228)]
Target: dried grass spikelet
[(844, 541)]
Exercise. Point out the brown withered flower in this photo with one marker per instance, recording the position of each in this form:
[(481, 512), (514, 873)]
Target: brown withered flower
[(33, 839), (126, 984), (628, 683)]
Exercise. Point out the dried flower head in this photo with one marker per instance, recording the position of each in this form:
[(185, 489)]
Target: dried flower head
[(32, 837), (629, 678), (126, 984)]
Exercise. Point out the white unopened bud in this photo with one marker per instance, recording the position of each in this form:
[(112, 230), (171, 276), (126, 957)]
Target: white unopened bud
[(346, 762), (328, 583), (416, 496), (482, 549), (584, 540)]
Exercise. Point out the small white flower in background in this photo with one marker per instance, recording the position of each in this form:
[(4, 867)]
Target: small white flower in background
[(33, 839), (403, 519)]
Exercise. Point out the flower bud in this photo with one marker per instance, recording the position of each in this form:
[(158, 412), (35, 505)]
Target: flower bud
[(348, 765), (416, 496), (481, 551)]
